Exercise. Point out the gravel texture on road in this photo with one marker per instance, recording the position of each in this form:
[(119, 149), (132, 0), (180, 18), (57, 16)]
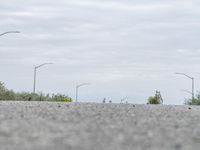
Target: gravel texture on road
[(92, 126)]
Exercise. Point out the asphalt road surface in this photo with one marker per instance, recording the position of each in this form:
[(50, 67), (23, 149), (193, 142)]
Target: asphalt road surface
[(91, 126)]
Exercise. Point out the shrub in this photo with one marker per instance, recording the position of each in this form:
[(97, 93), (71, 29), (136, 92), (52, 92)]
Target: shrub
[(194, 101), (156, 99), (60, 98), (6, 94), (24, 96)]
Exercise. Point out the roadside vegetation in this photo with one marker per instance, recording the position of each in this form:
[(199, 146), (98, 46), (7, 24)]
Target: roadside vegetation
[(6, 94), (156, 99), (194, 101)]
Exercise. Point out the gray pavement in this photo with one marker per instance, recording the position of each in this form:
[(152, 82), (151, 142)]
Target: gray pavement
[(91, 126)]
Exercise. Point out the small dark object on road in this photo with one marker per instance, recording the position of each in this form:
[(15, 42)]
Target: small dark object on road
[(29, 99)]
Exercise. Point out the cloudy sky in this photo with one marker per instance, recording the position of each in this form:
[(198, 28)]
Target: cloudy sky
[(123, 48)]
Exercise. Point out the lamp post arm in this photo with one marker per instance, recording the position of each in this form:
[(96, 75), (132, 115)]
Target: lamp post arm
[(188, 76), (185, 75), (82, 85), (9, 32), (42, 65)]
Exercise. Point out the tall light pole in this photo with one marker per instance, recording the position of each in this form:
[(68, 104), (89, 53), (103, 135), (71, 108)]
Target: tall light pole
[(192, 78), (77, 87), (8, 32), (35, 72)]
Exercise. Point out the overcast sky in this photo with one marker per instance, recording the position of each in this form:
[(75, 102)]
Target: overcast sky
[(121, 47)]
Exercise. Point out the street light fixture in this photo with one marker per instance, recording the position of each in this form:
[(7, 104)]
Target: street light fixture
[(192, 78), (77, 87), (9, 32), (35, 71)]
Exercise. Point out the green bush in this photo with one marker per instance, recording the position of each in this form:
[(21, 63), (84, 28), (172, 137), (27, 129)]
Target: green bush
[(2, 87), (194, 101), (6, 94), (24, 96), (156, 99), (60, 98)]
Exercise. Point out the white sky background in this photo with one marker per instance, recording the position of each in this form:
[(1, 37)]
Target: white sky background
[(121, 47)]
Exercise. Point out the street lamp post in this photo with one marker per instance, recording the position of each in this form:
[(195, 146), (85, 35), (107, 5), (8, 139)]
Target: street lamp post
[(192, 78), (9, 32), (77, 87), (35, 72)]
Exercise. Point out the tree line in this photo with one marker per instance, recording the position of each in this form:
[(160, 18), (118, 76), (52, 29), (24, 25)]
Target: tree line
[(6, 94)]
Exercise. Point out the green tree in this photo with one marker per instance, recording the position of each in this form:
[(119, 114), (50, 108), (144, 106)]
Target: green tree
[(6, 94), (156, 99), (194, 101), (2, 87)]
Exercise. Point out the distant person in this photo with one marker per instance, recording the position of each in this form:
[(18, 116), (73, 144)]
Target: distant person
[(104, 100)]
